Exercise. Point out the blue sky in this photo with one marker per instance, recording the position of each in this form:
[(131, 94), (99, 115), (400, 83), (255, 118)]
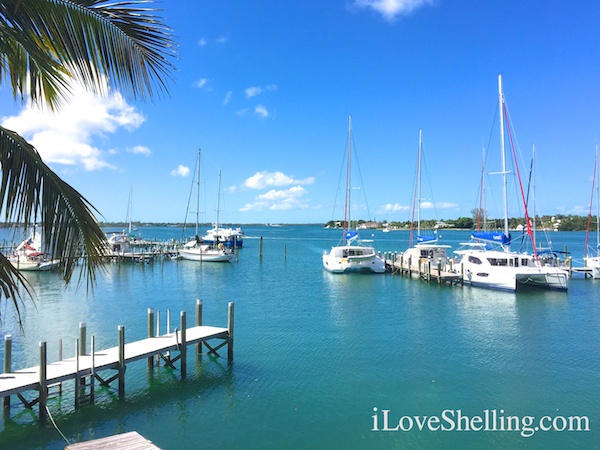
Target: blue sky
[(265, 89)]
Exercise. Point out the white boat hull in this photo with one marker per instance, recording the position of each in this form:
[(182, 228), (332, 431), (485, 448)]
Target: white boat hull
[(353, 258), (510, 271), (594, 264), (205, 255)]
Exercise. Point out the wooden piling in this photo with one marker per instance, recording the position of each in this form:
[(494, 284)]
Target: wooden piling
[(260, 248), (183, 344), (82, 338), (93, 375), (7, 369), (43, 386), (230, 327), (121, 366), (150, 335), (199, 323)]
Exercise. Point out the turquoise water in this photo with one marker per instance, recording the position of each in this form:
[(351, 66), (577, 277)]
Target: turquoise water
[(315, 353)]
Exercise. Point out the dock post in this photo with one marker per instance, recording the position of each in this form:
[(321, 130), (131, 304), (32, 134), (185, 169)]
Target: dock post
[(7, 369), (43, 383), (183, 344), (150, 335), (121, 362), (230, 331), (199, 323), (260, 248), (92, 376), (82, 338), (60, 358), (409, 266), (439, 267), (77, 378), (285, 252)]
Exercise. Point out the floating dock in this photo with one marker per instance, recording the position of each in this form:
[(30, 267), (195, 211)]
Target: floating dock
[(170, 348)]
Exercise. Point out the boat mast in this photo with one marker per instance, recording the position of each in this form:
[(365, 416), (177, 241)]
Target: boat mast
[(218, 209), (504, 178), (419, 183), (347, 219), (198, 194)]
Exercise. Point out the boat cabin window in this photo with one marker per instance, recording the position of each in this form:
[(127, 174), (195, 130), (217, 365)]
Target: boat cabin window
[(474, 260), (499, 262), (524, 262)]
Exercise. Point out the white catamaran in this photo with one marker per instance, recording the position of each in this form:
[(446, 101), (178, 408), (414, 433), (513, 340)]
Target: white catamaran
[(487, 260), (351, 255)]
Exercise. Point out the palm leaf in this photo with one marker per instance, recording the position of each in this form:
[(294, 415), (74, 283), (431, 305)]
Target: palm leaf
[(87, 40), (30, 190)]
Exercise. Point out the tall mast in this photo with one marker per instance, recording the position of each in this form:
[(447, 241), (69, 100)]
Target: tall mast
[(198, 194), (597, 203), (419, 183), (347, 219), (218, 208), (504, 178)]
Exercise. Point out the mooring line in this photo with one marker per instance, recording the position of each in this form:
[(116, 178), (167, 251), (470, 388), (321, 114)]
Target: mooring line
[(56, 426)]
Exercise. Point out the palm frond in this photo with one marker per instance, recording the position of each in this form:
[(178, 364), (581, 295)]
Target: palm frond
[(29, 190), (84, 39)]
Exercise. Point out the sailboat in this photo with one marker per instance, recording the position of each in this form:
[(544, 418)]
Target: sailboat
[(122, 246), (28, 256), (351, 255), (427, 248), (593, 261), (198, 250), (487, 260)]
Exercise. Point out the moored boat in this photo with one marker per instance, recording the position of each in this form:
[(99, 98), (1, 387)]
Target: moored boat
[(487, 260), (351, 255)]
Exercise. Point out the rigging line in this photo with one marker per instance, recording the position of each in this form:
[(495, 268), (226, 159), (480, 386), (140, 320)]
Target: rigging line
[(587, 232), (187, 210), (362, 184), (527, 224)]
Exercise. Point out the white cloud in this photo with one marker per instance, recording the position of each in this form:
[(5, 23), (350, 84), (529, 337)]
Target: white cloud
[(389, 9), (262, 180), (253, 91), (442, 205), (201, 83), (261, 111), (202, 42), (395, 207), (222, 39), (181, 171), (67, 136), (227, 98), (278, 200), (140, 150)]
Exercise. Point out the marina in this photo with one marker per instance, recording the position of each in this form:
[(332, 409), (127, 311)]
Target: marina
[(316, 352)]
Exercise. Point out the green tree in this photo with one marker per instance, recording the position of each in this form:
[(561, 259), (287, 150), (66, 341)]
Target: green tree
[(45, 47)]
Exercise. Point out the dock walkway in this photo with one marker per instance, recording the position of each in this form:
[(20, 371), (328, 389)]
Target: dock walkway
[(170, 348)]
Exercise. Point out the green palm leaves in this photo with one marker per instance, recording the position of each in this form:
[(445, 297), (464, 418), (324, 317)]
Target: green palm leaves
[(45, 45)]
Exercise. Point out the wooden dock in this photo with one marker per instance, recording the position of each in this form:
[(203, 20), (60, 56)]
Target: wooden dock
[(124, 441), (170, 348), (424, 270)]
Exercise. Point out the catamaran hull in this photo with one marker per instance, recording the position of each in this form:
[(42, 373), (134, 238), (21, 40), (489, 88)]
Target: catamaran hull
[(366, 260), (512, 281)]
